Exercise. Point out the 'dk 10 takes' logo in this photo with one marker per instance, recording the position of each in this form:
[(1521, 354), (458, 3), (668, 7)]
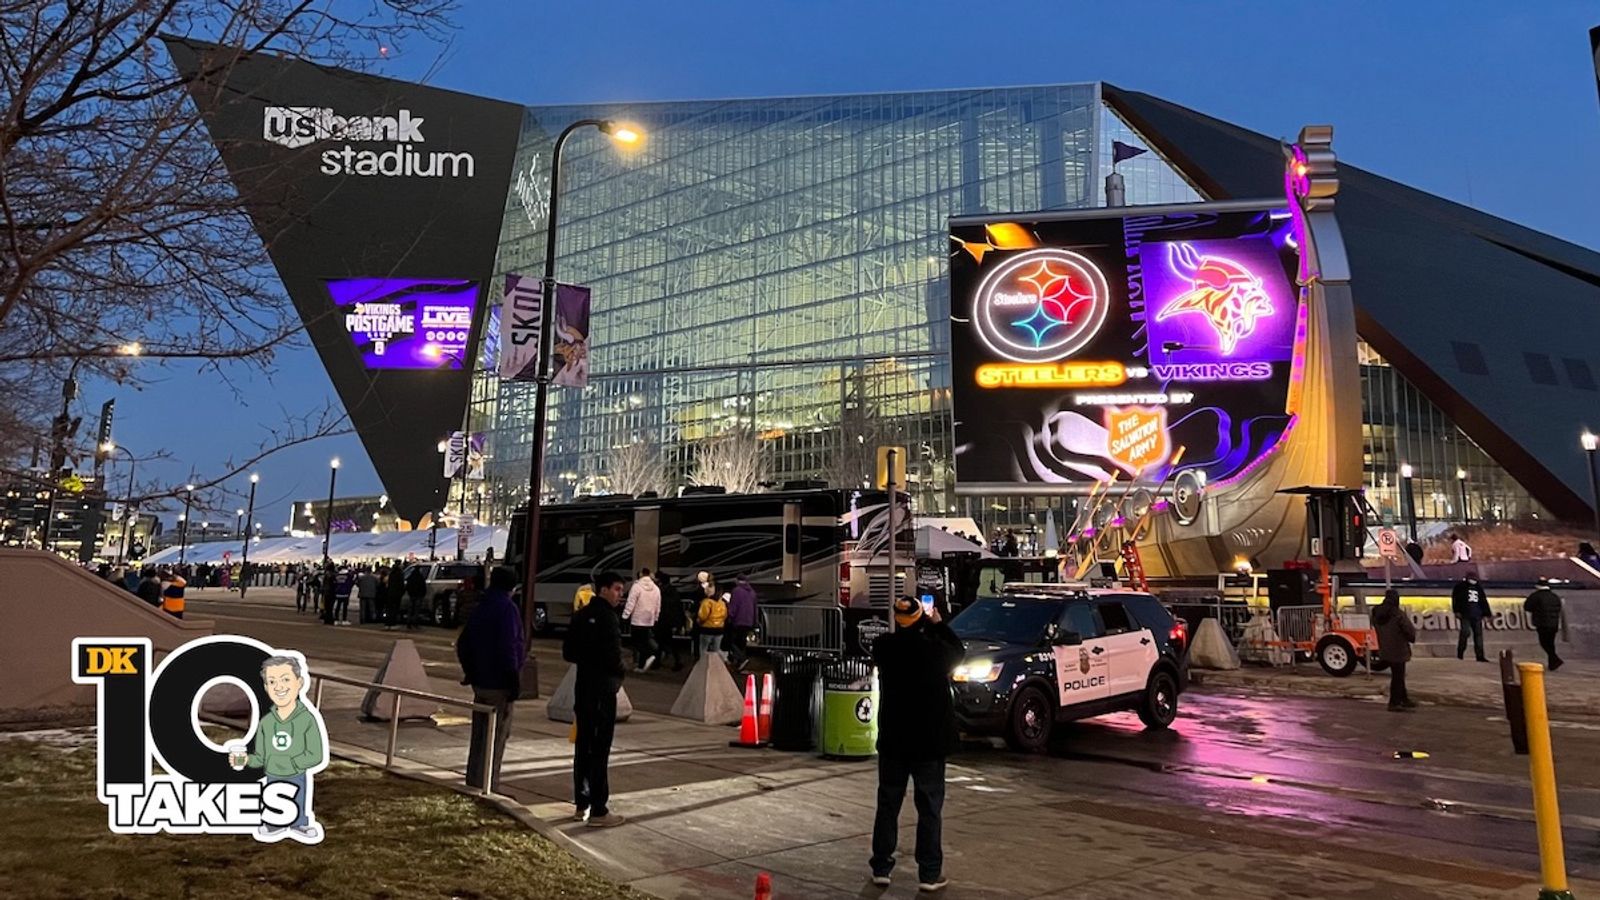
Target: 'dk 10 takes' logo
[(259, 786)]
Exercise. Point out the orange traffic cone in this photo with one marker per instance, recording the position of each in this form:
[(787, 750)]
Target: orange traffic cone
[(764, 718), (749, 731)]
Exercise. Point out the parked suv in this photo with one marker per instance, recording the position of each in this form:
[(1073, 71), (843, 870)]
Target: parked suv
[(444, 581), (1035, 660)]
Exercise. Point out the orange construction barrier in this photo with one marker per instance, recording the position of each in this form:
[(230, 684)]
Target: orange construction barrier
[(749, 730), (764, 718)]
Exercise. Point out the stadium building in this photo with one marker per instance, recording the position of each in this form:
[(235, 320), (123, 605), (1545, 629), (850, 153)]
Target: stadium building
[(778, 270)]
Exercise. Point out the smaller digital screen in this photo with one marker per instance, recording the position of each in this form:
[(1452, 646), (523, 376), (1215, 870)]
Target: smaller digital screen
[(406, 323)]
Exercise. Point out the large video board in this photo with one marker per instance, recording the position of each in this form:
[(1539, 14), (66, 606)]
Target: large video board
[(406, 323), (1091, 346)]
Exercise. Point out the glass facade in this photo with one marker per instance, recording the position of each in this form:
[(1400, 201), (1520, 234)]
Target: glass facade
[(776, 270), (1452, 479)]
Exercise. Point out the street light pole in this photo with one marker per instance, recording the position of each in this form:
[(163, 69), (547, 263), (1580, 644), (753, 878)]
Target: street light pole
[(183, 524), (546, 369), (1410, 500), (327, 525), (1590, 444), (250, 514), (1461, 482), (328, 587)]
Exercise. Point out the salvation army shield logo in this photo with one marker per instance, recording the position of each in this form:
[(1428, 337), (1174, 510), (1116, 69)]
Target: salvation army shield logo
[(1136, 437)]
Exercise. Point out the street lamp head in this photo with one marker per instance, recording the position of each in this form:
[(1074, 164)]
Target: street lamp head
[(238, 512), (333, 463), (1406, 471), (108, 448), (1461, 474), (622, 133), (132, 348), (189, 488), (255, 477), (1590, 440)]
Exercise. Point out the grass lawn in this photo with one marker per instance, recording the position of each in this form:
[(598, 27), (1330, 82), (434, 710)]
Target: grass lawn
[(386, 837)]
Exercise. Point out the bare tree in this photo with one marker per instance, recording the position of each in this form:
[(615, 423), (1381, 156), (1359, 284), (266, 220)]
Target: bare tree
[(636, 468), (736, 460), (121, 234)]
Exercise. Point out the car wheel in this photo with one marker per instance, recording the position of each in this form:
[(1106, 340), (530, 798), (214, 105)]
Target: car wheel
[(1160, 704), (1032, 718), (541, 619), (441, 610), (1377, 664), (1336, 656)]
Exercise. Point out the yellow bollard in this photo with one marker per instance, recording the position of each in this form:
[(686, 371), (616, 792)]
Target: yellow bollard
[(1542, 768)]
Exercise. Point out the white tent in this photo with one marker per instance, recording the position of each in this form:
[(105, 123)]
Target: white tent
[(344, 547), (933, 543)]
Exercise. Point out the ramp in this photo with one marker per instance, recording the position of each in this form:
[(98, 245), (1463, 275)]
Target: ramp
[(46, 603)]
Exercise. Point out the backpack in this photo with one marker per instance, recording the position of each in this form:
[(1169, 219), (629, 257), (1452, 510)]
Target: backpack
[(714, 613)]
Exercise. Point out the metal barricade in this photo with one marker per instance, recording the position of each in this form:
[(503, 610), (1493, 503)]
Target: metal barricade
[(808, 629), (1299, 624), (317, 681)]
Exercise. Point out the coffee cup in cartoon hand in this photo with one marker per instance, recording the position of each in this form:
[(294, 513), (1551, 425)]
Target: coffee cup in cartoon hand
[(238, 756)]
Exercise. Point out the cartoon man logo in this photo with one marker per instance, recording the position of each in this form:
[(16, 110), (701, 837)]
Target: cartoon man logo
[(289, 745)]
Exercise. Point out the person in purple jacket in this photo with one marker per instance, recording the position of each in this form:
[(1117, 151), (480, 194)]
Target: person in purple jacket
[(741, 621), (490, 649)]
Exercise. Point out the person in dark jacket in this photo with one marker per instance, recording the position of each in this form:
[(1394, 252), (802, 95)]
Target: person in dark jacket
[(916, 731), (416, 592), (149, 589), (394, 590), (1544, 606), (669, 622), (1471, 606), (741, 621), (491, 654), (594, 645), (1396, 634)]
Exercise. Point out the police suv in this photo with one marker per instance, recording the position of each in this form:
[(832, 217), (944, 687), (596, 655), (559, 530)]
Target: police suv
[(1048, 654)]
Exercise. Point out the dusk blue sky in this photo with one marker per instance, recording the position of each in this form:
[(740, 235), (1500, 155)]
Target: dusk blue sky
[(1489, 104)]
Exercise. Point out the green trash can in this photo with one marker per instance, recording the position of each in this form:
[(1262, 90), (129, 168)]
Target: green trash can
[(849, 710)]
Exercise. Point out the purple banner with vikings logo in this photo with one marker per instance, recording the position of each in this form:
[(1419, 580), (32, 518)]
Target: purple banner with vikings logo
[(1091, 346), (406, 323)]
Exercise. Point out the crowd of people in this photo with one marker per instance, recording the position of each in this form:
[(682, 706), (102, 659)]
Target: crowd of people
[(710, 621), (1470, 603)]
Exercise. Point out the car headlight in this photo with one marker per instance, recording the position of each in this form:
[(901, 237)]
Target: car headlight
[(981, 671)]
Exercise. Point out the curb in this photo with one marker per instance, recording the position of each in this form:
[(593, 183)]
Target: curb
[(1312, 686)]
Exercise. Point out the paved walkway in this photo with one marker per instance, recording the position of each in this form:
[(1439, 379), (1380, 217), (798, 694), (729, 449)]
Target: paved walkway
[(705, 819)]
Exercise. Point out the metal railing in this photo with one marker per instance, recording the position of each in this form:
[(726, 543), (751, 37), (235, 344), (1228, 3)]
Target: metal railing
[(317, 681), (813, 629)]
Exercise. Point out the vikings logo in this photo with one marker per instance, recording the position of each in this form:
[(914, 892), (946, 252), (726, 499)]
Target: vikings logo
[(1228, 294)]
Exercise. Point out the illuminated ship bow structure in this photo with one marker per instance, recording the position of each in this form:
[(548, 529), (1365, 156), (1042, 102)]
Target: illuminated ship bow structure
[(1173, 367)]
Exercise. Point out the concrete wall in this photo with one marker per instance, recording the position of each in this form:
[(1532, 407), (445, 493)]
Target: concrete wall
[(45, 602)]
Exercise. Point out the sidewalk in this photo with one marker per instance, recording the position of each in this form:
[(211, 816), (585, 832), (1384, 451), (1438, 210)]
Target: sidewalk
[(705, 819), (1573, 691)]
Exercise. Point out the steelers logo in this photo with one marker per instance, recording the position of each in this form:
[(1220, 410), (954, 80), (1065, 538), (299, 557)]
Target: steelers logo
[(280, 740), (1041, 306)]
